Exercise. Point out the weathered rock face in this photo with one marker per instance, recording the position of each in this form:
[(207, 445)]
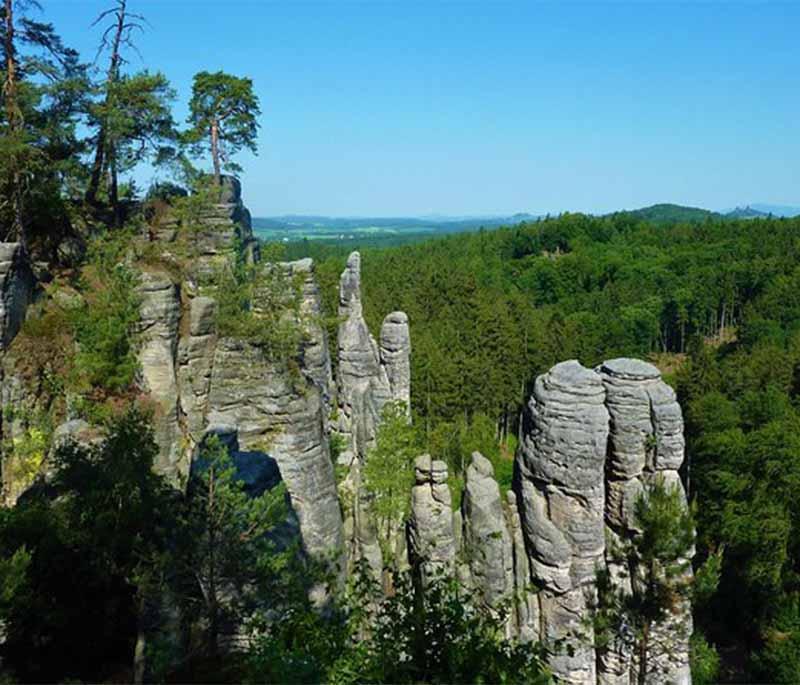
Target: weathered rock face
[(646, 444), (275, 417), (487, 540), (315, 349), (562, 460), (396, 356), (195, 362), (593, 441), (432, 544), (201, 383), (160, 315), (368, 376), (16, 291)]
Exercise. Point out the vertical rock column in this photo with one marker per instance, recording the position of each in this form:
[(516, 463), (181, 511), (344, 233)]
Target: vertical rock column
[(17, 284), (368, 377), (395, 354), (646, 443), (432, 545), (195, 361), (487, 541), (363, 387), (560, 491), (160, 314)]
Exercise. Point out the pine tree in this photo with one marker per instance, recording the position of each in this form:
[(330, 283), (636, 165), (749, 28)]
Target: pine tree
[(224, 113)]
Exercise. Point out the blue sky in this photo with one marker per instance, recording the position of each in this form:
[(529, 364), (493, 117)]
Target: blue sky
[(413, 108)]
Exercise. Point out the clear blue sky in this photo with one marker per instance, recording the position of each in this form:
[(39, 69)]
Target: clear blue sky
[(410, 108)]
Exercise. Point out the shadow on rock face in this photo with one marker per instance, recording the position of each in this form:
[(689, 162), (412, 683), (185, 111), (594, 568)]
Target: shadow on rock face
[(258, 472)]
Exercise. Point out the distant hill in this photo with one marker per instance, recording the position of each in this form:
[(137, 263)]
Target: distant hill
[(776, 210), (671, 214), (745, 213)]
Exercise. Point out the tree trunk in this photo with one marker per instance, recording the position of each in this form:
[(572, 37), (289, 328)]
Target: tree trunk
[(215, 152), (113, 193), (14, 117), (643, 654), (100, 161)]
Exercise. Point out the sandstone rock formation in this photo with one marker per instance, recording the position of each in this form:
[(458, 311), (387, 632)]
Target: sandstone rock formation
[(16, 291), (202, 383), (160, 314), (282, 416), (562, 460), (646, 443), (432, 544), (395, 356), (593, 442), (368, 376), (487, 540)]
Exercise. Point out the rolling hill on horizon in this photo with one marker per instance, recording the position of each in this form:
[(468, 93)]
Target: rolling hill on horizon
[(384, 231)]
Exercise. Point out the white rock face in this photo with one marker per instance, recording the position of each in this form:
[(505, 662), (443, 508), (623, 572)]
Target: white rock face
[(432, 545), (646, 443), (160, 314), (593, 443), (561, 463)]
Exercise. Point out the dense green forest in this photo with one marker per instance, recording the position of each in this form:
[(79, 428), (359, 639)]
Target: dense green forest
[(713, 303), (88, 555)]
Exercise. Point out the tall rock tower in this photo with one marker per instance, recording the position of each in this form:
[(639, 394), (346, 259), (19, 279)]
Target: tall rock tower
[(594, 442)]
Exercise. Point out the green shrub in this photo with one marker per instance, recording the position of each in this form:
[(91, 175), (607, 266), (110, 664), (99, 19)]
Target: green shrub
[(704, 661), (104, 323), (260, 304)]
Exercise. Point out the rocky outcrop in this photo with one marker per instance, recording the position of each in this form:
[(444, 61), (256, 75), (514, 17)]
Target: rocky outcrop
[(195, 362), (432, 543), (16, 291), (314, 347), (220, 225), (646, 444), (561, 463), (593, 442), (487, 540), (271, 413), (160, 315), (368, 376), (395, 356), (280, 415)]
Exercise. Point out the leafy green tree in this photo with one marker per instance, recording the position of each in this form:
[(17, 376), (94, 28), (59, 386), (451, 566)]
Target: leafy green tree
[(44, 90), (104, 322), (224, 548), (389, 471), (89, 536), (224, 113), (657, 555), (116, 36), (438, 637), (132, 120)]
